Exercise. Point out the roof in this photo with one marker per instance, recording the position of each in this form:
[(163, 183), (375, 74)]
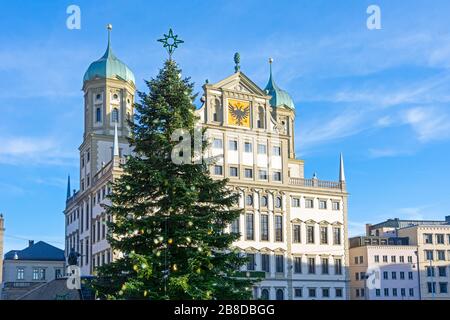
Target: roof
[(109, 66), (398, 224), (53, 290), (279, 96), (40, 251)]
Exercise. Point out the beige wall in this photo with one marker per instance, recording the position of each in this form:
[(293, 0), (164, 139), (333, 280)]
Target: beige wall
[(417, 238)]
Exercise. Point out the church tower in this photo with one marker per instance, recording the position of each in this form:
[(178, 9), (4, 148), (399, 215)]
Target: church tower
[(109, 88)]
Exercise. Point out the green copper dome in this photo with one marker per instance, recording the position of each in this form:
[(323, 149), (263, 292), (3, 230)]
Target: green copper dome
[(108, 66), (279, 96)]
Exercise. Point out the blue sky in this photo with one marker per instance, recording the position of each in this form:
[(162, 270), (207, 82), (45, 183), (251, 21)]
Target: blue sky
[(379, 96)]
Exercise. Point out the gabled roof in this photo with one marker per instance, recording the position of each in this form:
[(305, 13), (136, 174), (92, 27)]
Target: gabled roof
[(245, 83), (40, 251)]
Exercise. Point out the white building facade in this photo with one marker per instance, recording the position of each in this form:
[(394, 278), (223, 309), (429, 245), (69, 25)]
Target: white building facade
[(383, 269), (293, 229)]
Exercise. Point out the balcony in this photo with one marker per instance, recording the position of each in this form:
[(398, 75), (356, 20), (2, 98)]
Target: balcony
[(315, 183)]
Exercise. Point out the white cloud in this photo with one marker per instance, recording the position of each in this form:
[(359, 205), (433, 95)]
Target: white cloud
[(428, 123), (34, 151)]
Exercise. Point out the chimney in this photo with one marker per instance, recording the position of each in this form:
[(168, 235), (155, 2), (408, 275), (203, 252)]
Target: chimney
[(30, 243), (368, 226)]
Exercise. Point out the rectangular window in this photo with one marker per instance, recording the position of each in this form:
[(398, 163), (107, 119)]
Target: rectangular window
[(385, 275), (262, 149), (296, 202), (20, 273), (218, 170), (402, 275), (297, 265), (264, 227), (279, 261), (325, 266), (337, 266), (429, 254), (248, 173), (324, 235), (442, 271), (279, 228), (394, 292), (262, 174), (339, 292), (403, 292), (411, 292), (441, 255), (309, 203), (393, 259), (233, 145), (386, 292), (443, 287), (335, 205), (312, 292), (410, 275), (430, 271), (428, 238), (402, 259), (251, 262), (38, 274), (410, 259), (431, 287), (250, 235), (394, 275), (248, 147), (337, 235), (440, 239), (87, 250), (276, 176), (296, 233), (385, 259), (377, 292), (310, 234), (298, 292), (311, 265), (325, 292), (377, 258), (265, 262), (217, 143), (235, 226), (276, 151), (233, 171), (322, 204)]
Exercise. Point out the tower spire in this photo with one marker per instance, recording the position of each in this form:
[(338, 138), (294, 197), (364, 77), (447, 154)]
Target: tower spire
[(116, 142), (108, 52), (68, 186), (341, 169)]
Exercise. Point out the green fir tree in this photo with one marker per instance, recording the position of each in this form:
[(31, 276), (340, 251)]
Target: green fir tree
[(169, 219)]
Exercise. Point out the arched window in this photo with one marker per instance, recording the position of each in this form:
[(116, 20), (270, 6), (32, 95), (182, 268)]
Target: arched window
[(264, 201), (115, 115), (261, 120), (265, 294), (249, 200), (217, 110), (98, 114), (280, 294), (278, 202)]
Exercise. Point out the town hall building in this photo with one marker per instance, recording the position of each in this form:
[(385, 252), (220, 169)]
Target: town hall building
[(293, 229)]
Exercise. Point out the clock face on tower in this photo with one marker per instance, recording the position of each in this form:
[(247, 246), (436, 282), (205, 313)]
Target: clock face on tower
[(239, 113)]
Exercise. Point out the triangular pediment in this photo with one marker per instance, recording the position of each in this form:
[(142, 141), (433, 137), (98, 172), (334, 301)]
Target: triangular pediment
[(239, 82)]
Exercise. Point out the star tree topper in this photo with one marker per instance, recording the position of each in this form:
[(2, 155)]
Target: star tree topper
[(170, 42)]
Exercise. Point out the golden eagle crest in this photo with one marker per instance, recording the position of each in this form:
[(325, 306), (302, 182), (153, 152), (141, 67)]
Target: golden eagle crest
[(239, 113)]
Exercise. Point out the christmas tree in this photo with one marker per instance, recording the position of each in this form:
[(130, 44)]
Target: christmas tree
[(169, 219)]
